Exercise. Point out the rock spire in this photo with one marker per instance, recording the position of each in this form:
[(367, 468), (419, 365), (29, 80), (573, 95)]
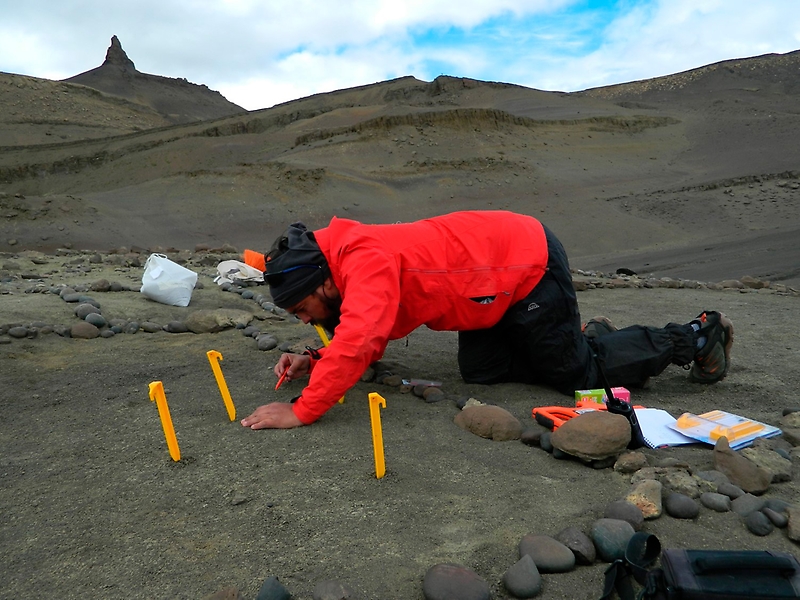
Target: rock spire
[(116, 55)]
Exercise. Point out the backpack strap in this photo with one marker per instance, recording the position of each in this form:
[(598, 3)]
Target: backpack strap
[(642, 550)]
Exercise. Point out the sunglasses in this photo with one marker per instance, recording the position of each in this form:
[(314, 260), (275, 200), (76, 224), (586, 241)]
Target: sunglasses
[(277, 279)]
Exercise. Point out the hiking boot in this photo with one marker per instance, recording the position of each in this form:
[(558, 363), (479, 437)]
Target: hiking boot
[(712, 360), (597, 326)]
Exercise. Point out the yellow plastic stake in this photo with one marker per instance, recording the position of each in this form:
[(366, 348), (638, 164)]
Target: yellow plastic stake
[(214, 357), (157, 395), (325, 342), (375, 402)]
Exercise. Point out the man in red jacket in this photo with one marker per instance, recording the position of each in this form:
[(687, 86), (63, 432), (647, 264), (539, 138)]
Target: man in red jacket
[(500, 279)]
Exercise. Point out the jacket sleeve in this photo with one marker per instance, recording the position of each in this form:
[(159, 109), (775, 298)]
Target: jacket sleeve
[(369, 285)]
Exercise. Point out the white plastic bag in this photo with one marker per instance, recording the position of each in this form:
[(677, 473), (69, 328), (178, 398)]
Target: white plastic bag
[(167, 282), (234, 270)]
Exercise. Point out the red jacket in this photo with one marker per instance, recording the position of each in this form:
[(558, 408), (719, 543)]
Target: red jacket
[(394, 278)]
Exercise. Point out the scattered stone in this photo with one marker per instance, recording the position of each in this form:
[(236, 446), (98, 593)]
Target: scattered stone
[(758, 523), (107, 333), (331, 590), (212, 321), (522, 579), (715, 501), (96, 319), (594, 435), (530, 436), (546, 442), (176, 327), (715, 477), (491, 422), (101, 285), (623, 510), (681, 506), (150, 327), (447, 581), (397, 381), (682, 482), (272, 589), (778, 519), (741, 471), (647, 496), (580, 544), (18, 332), (766, 458), (251, 331), (435, 394), (611, 537), (131, 327), (84, 331), (730, 490), (746, 504), (266, 342), (549, 555), (85, 309), (777, 504), (630, 462)]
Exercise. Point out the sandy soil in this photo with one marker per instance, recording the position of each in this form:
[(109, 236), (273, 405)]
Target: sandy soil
[(93, 506)]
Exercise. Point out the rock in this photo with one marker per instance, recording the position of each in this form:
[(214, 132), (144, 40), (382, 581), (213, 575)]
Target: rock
[(778, 519), (793, 526), (630, 462), (742, 472), (746, 504), (681, 506), (150, 327), (545, 441), (682, 482), (331, 590), (176, 327), (623, 510), (131, 327), (85, 309), (530, 436), (522, 579), (593, 436), (647, 496), (550, 555), (266, 341), (758, 523), (212, 321), (777, 504), (84, 331), (435, 394), (730, 490), (611, 537), (18, 332), (766, 458), (96, 319), (448, 581), (715, 477), (492, 422), (397, 381), (580, 544), (715, 501), (101, 285)]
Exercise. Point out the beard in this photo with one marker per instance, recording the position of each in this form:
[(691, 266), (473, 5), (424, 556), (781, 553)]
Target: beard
[(329, 323)]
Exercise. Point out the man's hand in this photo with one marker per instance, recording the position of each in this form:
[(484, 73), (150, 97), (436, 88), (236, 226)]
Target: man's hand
[(295, 365), (278, 415)]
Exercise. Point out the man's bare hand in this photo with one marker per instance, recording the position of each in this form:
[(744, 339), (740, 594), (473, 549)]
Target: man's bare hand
[(277, 415), (295, 365)]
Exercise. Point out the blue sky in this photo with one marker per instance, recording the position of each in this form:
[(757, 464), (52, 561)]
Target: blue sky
[(259, 53)]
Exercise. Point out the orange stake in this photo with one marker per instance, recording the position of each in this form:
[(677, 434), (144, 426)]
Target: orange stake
[(214, 357), (375, 402), (157, 395)]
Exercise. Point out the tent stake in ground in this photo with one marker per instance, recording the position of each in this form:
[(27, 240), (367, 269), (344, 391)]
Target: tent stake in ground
[(375, 402), (214, 357), (157, 395)]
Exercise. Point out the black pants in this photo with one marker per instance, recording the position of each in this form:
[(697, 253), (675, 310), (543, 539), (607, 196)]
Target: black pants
[(539, 340)]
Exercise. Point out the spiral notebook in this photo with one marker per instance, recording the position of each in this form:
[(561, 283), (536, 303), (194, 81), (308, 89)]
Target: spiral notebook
[(657, 428)]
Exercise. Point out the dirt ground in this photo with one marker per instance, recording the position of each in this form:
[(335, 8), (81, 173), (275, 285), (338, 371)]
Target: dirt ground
[(92, 504)]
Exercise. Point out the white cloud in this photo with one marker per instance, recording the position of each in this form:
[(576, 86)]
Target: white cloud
[(261, 52)]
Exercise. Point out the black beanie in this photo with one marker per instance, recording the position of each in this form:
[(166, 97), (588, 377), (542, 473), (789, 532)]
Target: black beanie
[(295, 266)]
